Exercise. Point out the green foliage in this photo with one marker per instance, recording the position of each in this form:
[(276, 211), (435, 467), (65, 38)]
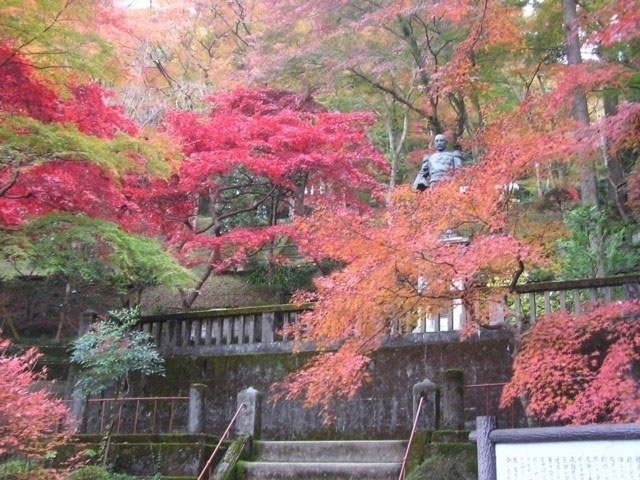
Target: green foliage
[(97, 473), (16, 469), (29, 141), (287, 278), (53, 31), (90, 249), (580, 259), (440, 467), (110, 351)]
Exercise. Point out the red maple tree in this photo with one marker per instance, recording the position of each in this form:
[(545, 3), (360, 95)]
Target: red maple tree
[(256, 156), (580, 369), (27, 414)]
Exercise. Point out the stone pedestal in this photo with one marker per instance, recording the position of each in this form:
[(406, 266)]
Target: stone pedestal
[(430, 393), (249, 421)]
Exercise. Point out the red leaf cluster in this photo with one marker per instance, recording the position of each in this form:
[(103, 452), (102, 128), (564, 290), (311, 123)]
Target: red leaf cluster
[(581, 368), (27, 413)]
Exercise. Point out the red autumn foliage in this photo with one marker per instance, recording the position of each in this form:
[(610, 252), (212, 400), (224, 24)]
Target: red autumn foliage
[(257, 153), (581, 369), (26, 413)]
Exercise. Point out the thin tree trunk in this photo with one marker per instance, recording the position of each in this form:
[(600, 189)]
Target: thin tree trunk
[(588, 182), (586, 166), (616, 184), (67, 292)]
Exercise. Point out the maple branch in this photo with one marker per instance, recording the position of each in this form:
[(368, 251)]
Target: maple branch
[(45, 30), (253, 206), (390, 91), (535, 72), (516, 276), (11, 183)]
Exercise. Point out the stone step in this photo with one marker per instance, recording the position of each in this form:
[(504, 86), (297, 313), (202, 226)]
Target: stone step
[(353, 451), (320, 470)]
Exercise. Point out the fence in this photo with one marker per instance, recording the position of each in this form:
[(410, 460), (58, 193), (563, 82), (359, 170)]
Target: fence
[(484, 399), (187, 332), (138, 414), (212, 332)]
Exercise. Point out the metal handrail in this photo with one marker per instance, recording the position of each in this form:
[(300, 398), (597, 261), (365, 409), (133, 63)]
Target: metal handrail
[(224, 435), (403, 469)]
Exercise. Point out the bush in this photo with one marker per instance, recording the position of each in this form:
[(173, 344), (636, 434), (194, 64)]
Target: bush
[(15, 469), (97, 473), (439, 467)]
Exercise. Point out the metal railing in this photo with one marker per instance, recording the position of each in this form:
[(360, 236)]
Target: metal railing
[(104, 404), (403, 469), (487, 402), (207, 467)]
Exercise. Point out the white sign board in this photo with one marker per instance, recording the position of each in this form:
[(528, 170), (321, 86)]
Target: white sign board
[(571, 460)]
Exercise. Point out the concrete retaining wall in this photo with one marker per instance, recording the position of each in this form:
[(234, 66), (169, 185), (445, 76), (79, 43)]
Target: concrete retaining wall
[(382, 409)]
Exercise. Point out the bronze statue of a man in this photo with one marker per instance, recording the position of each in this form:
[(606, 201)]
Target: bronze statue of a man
[(438, 165)]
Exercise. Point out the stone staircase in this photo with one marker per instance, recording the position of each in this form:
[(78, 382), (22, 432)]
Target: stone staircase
[(336, 460)]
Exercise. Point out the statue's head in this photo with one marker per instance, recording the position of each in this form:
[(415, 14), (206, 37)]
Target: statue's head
[(440, 142)]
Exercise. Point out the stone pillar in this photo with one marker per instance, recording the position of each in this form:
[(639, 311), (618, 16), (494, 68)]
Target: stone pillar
[(86, 319), (76, 412), (268, 326), (249, 421), (452, 403), (196, 408), (430, 405)]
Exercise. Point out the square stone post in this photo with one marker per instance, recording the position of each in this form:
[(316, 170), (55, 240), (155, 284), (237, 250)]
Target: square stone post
[(453, 400), (249, 420), (268, 326), (196, 408), (77, 411), (430, 392)]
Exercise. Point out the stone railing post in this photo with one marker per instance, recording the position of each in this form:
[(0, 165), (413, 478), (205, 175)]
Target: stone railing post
[(196, 408), (430, 405), (77, 411), (268, 326), (78, 406), (452, 400), (86, 319), (249, 420)]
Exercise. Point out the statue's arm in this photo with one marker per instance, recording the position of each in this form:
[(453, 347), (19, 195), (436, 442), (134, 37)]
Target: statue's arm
[(457, 158)]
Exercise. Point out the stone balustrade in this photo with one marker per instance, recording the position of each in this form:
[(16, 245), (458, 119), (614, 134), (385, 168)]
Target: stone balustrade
[(258, 329), (219, 331)]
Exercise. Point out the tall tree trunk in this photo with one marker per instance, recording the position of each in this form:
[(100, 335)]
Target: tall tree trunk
[(586, 166), (588, 182), (616, 181)]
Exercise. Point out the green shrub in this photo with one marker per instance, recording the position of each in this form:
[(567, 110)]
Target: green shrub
[(97, 473), (439, 467), (14, 469)]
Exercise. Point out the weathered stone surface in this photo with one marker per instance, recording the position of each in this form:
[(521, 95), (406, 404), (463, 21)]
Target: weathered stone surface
[(452, 400), (249, 421), (196, 420), (332, 459), (426, 393), (382, 409)]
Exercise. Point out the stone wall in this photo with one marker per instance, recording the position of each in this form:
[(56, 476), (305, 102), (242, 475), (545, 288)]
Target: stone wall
[(382, 409)]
